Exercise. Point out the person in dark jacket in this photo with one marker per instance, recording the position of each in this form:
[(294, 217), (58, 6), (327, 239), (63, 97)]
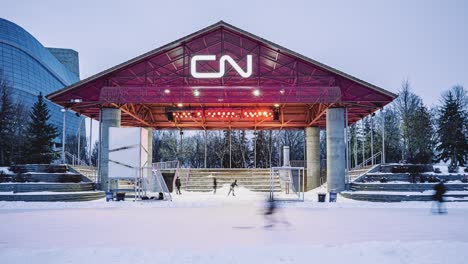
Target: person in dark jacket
[(234, 184), (178, 184), (438, 197), (215, 185)]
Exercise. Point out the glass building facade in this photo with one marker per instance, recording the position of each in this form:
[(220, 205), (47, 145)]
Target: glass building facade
[(30, 69)]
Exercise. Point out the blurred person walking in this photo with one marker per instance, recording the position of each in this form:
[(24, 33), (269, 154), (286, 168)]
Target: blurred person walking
[(438, 198), (234, 184), (178, 184), (270, 212), (215, 185)]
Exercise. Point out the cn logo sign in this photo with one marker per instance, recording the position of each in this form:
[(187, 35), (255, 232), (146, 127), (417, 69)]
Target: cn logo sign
[(222, 66)]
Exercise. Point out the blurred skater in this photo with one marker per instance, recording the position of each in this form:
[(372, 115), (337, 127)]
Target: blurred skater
[(178, 184), (234, 184), (438, 197), (215, 185), (271, 213)]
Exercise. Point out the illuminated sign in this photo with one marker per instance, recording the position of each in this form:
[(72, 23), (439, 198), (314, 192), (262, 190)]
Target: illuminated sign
[(222, 66)]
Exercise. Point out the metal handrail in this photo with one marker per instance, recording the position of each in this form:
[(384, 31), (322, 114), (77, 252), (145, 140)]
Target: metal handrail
[(297, 163), (369, 160), (74, 160), (165, 165)]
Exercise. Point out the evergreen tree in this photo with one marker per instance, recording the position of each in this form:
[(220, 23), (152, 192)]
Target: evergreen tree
[(20, 124), (40, 134), (421, 145), (262, 149), (6, 121), (244, 149), (452, 126), (94, 154)]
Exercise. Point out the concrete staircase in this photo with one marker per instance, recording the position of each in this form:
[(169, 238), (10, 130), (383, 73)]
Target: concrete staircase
[(257, 180), (401, 185), (46, 183)]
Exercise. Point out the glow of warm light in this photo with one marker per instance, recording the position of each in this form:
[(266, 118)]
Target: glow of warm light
[(276, 105), (256, 92), (282, 91), (167, 91), (180, 104)]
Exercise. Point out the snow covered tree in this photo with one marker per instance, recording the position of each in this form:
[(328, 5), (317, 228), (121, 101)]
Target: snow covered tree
[(40, 134), (452, 126)]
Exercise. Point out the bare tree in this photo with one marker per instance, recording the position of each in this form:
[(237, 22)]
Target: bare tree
[(406, 105)]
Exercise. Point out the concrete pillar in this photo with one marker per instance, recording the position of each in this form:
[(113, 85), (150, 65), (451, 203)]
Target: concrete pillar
[(150, 147), (313, 157), (110, 118), (286, 162), (335, 150)]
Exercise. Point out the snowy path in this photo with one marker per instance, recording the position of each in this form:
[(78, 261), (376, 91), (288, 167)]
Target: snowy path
[(230, 231)]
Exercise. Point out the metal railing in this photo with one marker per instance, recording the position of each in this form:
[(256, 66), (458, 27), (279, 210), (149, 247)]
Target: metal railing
[(297, 163), (370, 161), (166, 165), (73, 160), (81, 166), (89, 171)]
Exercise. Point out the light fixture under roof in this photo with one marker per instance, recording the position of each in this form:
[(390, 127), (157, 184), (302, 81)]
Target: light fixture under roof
[(196, 93), (180, 105), (276, 105), (167, 91), (281, 91), (256, 92)]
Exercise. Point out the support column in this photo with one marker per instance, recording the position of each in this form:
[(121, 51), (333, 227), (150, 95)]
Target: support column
[(286, 162), (150, 147), (110, 118), (335, 150), (313, 157)]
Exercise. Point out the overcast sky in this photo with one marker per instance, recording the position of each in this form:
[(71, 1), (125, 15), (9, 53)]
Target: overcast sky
[(381, 42)]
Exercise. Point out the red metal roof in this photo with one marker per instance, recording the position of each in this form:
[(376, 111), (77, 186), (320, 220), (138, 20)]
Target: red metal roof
[(147, 87)]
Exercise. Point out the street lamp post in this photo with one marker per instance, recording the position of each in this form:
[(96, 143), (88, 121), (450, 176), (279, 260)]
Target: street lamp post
[(372, 139), (64, 111), (90, 139), (383, 136)]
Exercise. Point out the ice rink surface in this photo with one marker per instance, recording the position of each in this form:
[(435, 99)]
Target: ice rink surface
[(207, 228)]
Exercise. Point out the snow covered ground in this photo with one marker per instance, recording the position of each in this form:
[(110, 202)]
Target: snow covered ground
[(207, 228)]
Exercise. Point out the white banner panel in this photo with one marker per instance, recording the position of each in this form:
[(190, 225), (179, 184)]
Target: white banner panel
[(125, 151)]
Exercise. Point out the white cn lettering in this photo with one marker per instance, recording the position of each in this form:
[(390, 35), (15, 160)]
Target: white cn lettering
[(222, 66)]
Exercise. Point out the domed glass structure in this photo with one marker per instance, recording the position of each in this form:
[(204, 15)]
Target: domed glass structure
[(30, 69)]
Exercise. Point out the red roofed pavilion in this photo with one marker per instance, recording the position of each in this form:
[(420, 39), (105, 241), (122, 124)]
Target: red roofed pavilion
[(222, 77)]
